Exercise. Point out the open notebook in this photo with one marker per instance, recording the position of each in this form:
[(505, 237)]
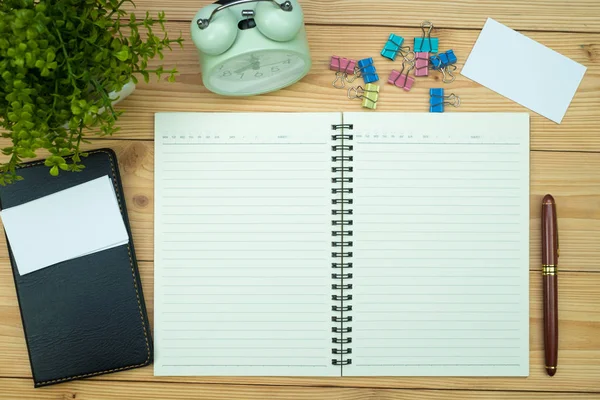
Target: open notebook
[(329, 244)]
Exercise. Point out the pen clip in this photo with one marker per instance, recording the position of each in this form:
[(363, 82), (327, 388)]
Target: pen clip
[(556, 231), (557, 241)]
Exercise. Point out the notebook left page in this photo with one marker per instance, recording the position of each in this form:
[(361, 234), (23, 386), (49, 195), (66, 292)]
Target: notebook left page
[(243, 244)]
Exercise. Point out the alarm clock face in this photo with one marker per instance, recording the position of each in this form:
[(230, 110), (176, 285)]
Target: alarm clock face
[(257, 72)]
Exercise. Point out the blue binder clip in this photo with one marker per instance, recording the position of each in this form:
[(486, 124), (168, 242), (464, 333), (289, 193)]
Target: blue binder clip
[(448, 58), (444, 62), (368, 70), (437, 100), (435, 62), (426, 42), (392, 47)]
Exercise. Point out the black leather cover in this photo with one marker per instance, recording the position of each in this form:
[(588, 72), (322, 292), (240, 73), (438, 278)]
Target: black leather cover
[(87, 316)]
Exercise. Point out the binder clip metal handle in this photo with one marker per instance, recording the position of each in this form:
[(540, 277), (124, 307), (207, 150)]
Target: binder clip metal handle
[(357, 74), (426, 28), (338, 83), (355, 92), (447, 75)]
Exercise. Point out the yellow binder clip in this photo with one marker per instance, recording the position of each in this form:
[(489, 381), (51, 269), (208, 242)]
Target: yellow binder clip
[(369, 95)]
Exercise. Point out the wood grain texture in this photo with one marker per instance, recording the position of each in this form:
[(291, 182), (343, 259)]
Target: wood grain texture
[(579, 308), (572, 178), (545, 15), (18, 389), (358, 29), (315, 92)]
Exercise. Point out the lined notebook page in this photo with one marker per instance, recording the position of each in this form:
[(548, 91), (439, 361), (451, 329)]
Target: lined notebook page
[(441, 235), (243, 244)]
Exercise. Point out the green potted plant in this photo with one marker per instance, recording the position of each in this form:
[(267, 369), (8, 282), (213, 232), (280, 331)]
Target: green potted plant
[(63, 66)]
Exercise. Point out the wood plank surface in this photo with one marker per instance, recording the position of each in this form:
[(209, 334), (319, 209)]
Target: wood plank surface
[(315, 92), (579, 308), (573, 178), (565, 162), (18, 389), (543, 15)]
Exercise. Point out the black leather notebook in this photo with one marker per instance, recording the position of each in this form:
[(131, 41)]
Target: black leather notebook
[(86, 316)]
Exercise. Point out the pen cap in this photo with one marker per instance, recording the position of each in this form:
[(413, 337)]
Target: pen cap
[(549, 231)]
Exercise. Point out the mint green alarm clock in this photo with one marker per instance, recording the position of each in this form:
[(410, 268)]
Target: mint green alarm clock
[(250, 47)]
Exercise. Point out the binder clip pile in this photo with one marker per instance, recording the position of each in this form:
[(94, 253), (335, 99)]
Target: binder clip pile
[(424, 56), (370, 93), (423, 46), (391, 50), (343, 67), (437, 100)]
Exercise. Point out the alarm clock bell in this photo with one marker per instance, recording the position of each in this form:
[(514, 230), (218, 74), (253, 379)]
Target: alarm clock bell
[(250, 47)]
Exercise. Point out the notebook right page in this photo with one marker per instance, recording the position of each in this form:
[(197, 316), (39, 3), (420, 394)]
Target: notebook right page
[(440, 244)]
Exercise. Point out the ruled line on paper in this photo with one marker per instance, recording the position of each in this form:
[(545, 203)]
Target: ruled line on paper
[(438, 365), (404, 143), (373, 178), (246, 303), (247, 365), (438, 347), (179, 153), (445, 152), (239, 143), (246, 170), (437, 170), (244, 338), (253, 161), (238, 348)]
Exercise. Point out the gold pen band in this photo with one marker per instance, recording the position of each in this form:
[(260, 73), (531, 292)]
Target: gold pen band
[(547, 367), (548, 269)]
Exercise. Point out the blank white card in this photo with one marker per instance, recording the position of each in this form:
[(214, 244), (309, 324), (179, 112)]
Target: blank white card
[(540, 79), (65, 225)]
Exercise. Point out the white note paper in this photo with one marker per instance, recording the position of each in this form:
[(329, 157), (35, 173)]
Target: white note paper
[(524, 70), (243, 244), (441, 244), (65, 225)]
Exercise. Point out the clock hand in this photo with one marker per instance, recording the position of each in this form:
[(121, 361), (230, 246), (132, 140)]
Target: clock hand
[(247, 67), (268, 65)]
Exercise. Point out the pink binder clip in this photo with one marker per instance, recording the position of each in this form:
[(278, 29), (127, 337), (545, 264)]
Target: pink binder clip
[(343, 65), (422, 63), (401, 79)]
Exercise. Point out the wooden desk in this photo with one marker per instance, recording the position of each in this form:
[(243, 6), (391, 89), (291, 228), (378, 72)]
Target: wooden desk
[(565, 162)]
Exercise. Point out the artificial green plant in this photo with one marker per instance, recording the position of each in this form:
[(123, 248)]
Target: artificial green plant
[(59, 62)]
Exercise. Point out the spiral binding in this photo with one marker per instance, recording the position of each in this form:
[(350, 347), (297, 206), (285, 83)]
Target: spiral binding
[(341, 289)]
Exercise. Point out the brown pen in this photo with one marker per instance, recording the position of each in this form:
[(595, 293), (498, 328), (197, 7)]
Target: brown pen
[(549, 275)]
